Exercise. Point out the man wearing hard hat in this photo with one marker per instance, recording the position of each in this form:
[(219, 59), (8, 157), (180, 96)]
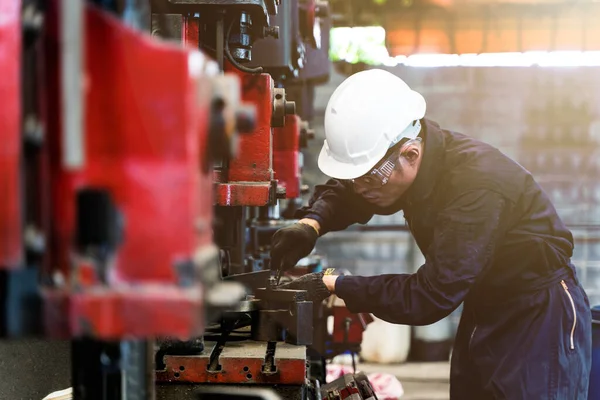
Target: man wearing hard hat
[(491, 239)]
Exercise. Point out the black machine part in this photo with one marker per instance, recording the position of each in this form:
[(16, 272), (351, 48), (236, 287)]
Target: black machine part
[(120, 370), (283, 57), (235, 393), (257, 10), (265, 7), (273, 314)]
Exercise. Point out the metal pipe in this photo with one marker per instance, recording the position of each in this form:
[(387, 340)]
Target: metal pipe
[(72, 35)]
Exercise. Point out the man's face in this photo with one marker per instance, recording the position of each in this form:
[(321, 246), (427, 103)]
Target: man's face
[(392, 176)]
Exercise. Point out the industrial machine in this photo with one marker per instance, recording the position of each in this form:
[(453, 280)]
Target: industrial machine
[(263, 340), (138, 176), (271, 337), (108, 152)]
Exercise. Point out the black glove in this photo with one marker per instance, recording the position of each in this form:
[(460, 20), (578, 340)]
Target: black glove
[(290, 244), (316, 290)]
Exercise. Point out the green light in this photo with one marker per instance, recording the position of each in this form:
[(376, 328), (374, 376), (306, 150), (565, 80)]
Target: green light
[(360, 44)]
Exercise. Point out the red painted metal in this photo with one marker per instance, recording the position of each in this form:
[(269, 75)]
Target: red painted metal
[(247, 181), (145, 141), (253, 163), (243, 194), (358, 323), (11, 246), (286, 156), (349, 392), (114, 314), (241, 363), (190, 31)]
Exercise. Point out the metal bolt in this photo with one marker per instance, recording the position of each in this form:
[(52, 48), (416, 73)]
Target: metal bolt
[(271, 31), (245, 118), (33, 130), (280, 193), (35, 240), (290, 107), (32, 18)]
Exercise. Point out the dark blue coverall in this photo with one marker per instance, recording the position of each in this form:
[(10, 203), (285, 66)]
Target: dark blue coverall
[(493, 240)]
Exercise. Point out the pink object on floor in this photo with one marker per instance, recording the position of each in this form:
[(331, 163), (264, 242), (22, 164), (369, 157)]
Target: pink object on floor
[(386, 386)]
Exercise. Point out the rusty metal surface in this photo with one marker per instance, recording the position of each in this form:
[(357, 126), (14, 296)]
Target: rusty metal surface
[(241, 363), (10, 128)]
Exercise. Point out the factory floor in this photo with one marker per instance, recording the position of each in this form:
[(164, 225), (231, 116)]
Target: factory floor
[(420, 381), (31, 369)]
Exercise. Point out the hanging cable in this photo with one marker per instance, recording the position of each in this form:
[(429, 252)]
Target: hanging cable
[(230, 58)]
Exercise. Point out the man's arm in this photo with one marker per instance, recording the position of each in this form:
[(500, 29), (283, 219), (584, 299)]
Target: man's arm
[(334, 206), (466, 235)]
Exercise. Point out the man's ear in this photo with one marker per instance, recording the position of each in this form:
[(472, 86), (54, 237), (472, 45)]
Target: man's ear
[(412, 154)]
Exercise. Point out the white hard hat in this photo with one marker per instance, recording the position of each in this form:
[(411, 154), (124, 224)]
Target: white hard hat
[(367, 114)]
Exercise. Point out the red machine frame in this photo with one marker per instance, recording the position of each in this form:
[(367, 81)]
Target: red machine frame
[(146, 129), (11, 237)]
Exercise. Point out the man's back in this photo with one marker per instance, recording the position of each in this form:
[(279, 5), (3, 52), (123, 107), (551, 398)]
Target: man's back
[(535, 239)]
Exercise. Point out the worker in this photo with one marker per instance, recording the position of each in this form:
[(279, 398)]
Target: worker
[(491, 238)]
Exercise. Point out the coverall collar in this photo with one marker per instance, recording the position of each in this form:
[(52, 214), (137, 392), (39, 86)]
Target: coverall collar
[(431, 163)]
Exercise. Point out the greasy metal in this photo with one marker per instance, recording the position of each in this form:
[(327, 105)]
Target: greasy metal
[(283, 311), (241, 363), (11, 226)]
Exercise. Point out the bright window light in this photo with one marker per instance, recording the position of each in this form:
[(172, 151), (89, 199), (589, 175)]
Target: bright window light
[(367, 45), (361, 44)]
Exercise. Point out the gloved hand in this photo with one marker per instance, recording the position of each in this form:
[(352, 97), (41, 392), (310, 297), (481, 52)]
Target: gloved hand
[(290, 244), (313, 284)]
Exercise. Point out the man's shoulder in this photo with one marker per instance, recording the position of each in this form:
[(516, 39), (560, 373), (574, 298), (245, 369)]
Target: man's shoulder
[(462, 144), (473, 164)]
